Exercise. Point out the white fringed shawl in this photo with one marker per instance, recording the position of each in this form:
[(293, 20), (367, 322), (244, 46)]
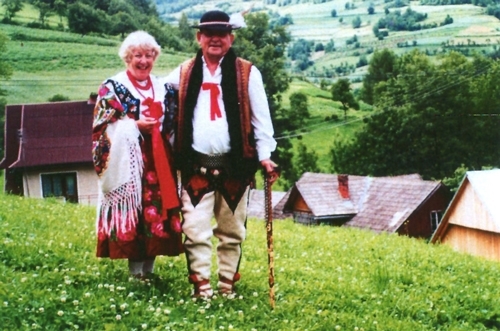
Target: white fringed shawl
[(120, 183)]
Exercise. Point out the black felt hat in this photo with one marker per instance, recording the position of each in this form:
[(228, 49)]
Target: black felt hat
[(215, 20)]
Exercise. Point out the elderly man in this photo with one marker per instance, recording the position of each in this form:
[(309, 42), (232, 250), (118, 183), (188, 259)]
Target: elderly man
[(223, 131)]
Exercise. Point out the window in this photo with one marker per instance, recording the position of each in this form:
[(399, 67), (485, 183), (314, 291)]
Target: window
[(60, 185), (435, 219)]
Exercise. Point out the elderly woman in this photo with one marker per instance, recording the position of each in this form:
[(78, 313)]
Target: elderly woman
[(138, 210)]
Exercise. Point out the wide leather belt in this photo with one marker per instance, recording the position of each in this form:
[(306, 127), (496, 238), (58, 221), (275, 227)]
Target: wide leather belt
[(212, 161)]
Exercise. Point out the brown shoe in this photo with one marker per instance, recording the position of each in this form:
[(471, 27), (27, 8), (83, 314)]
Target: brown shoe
[(202, 288), (226, 286)]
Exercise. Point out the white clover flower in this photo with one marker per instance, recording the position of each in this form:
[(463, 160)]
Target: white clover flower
[(76, 326), (87, 295), (181, 301), (337, 327), (319, 312), (230, 327), (127, 312), (255, 294), (63, 299), (158, 310), (201, 311), (75, 302), (131, 294), (240, 312), (254, 307), (240, 297), (112, 306), (144, 326), (99, 286), (41, 309), (221, 327), (5, 303), (23, 279), (118, 317), (60, 313), (111, 300), (123, 306), (167, 312), (63, 292)]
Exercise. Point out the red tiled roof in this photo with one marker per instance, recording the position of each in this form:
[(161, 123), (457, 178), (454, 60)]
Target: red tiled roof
[(48, 134)]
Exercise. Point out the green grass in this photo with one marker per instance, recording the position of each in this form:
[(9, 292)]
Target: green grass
[(327, 278)]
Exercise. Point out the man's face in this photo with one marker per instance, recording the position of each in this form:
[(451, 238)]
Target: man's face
[(214, 43)]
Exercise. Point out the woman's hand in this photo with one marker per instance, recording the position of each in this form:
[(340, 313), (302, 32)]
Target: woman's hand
[(146, 124)]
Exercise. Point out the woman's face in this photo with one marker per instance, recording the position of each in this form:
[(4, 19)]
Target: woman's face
[(141, 63)]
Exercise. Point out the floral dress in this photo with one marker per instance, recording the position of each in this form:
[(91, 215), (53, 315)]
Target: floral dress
[(137, 214)]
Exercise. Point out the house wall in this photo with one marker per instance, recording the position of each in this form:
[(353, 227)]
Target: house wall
[(419, 223), (473, 241), (301, 205), (468, 211), (85, 176)]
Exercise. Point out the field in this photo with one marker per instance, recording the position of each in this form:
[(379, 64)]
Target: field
[(327, 278)]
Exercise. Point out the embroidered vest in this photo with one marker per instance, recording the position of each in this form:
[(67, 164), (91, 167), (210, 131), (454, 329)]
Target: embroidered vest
[(243, 68)]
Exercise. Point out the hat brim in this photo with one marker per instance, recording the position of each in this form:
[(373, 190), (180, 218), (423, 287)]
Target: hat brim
[(216, 27)]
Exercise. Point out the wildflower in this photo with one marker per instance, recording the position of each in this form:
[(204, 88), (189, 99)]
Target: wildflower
[(337, 327), (118, 317), (123, 306), (63, 299), (23, 279), (167, 312), (131, 294), (5, 303), (240, 312), (255, 294), (75, 302), (112, 306), (41, 309), (87, 295), (60, 313), (230, 327), (99, 286), (254, 307), (201, 311), (144, 326)]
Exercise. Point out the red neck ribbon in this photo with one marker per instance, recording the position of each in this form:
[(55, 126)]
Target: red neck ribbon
[(214, 104)]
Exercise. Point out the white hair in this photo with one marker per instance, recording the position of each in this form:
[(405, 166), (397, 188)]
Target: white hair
[(138, 39)]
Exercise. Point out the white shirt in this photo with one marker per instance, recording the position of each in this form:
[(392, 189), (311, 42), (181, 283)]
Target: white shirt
[(212, 137)]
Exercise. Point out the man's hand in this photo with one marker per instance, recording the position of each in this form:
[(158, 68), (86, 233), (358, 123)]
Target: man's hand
[(146, 124), (271, 170)]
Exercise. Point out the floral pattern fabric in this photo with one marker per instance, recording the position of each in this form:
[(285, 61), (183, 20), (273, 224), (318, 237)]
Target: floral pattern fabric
[(151, 234)]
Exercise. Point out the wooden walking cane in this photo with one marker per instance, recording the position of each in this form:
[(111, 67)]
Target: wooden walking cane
[(270, 178)]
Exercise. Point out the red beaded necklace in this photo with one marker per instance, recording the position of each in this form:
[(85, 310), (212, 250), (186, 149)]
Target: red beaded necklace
[(139, 87)]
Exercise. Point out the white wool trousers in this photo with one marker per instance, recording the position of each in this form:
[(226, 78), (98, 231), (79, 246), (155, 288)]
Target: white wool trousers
[(229, 229)]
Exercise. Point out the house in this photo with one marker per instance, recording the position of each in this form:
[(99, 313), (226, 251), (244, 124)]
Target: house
[(256, 204), (471, 223), (402, 204), (48, 151)]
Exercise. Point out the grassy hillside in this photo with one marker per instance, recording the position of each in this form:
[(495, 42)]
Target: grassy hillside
[(327, 278)]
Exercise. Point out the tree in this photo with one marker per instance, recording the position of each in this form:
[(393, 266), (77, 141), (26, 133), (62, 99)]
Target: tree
[(84, 19), (299, 112), (371, 9), (45, 9), (382, 67), (123, 23), (429, 119), (5, 74), (305, 161), (341, 91), (265, 47), (11, 8), (356, 22)]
